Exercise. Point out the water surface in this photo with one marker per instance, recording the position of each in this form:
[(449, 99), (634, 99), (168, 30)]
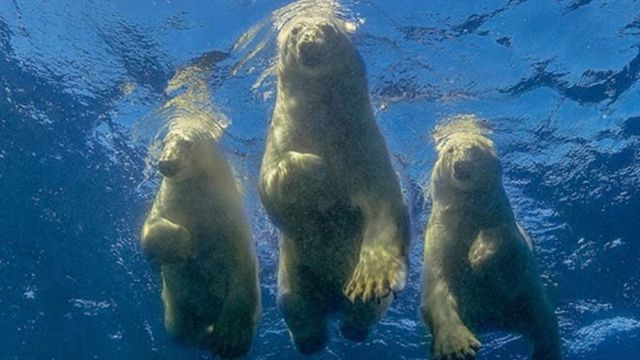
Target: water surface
[(84, 88)]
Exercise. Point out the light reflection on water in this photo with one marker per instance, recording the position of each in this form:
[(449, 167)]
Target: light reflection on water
[(558, 83)]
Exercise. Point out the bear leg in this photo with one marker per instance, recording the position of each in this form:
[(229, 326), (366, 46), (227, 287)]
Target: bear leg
[(451, 338), (177, 319), (301, 300), (541, 327), (358, 317), (233, 330), (231, 338), (306, 321)]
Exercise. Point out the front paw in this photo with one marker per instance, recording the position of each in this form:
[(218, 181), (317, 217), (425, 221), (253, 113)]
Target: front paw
[(291, 171), (457, 342), (377, 274), (480, 254), (166, 242), (299, 181)]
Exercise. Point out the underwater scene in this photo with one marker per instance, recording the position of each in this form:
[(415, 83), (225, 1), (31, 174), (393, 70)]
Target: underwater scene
[(268, 179)]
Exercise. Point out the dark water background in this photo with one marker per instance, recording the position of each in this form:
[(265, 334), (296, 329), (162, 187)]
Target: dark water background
[(557, 80)]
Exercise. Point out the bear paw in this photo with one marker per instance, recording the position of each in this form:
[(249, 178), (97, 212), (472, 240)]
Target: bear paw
[(166, 242), (481, 253), (378, 274), (301, 180), (232, 339), (455, 343)]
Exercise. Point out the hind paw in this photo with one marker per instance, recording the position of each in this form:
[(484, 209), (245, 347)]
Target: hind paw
[(455, 343), (231, 340)]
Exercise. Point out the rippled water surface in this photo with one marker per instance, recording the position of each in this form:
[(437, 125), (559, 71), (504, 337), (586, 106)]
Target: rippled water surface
[(85, 86)]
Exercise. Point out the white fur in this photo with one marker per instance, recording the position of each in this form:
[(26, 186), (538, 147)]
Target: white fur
[(479, 264), (328, 184), (197, 233)]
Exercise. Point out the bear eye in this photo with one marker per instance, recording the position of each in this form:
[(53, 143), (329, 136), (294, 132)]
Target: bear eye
[(187, 145), (451, 149), (296, 29), (327, 28)]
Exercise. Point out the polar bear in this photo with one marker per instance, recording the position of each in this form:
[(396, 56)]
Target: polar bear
[(479, 263), (198, 236), (327, 183)]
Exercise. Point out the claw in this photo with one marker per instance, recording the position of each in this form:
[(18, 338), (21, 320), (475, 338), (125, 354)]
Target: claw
[(376, 275)]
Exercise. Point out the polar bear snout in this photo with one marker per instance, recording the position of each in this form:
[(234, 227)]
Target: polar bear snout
[(177, 155), (462, 170), (313, 42), (310, 52), (468, 163), (311, 47), (169, 168)]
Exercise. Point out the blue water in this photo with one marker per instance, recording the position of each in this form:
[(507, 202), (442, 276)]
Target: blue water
[(81, 83)]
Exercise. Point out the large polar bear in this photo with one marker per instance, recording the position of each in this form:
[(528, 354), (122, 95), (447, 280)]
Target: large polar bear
[(197, 233), (327, 183), (479, 264)]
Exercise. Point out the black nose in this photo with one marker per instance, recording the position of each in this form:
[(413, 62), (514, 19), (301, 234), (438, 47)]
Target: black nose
[(462, 170), (310, 53), (168, 168)]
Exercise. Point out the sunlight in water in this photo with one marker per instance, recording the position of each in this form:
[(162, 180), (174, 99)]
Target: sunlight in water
[(89, 91)]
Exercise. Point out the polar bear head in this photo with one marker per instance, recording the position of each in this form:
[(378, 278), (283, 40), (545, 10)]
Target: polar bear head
[(186, 152), (467, 160), (314, 45)]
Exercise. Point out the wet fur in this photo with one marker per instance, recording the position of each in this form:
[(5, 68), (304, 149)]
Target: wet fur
[(197, 235), (327, 183), (480, 268)]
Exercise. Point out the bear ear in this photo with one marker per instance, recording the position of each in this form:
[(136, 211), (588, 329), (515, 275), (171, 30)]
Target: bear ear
[(439, 135)]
